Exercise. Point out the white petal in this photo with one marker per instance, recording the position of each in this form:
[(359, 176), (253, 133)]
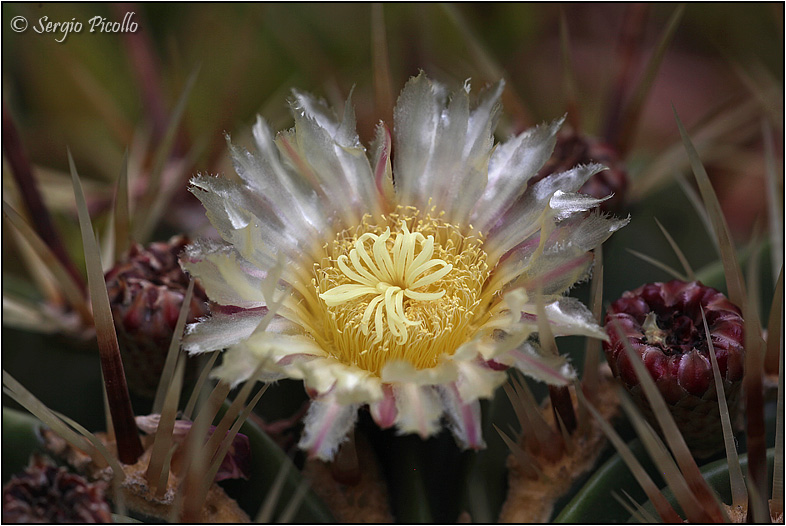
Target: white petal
[(346, 383), (446, 167), (470, 174), (483, 345), (477, 380), (327, 424), (442, 151), (273, 174), (222, 330), (524, 218), (238, 365), (284, 191), (257, 234), (335, 157), (506, 314), (582, 232), (355, 385), (278, 352), (483, 121), (226, 277), (419, 409), (565, 204), (511, 166), (416, 129), (568, 317)]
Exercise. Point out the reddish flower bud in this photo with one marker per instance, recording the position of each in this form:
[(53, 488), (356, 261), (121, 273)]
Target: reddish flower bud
[(146, 290), (663, 324), (48, 494)]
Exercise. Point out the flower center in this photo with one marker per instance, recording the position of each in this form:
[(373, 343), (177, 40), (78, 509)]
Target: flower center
[(407, 289), (389, 276)]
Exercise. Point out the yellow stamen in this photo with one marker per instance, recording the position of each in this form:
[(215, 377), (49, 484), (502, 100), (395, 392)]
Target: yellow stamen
[(390, 274), (407, 289)]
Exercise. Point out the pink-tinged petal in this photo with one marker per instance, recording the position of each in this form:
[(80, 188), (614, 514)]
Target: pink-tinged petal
[(463, 418), (326, 426), (384, 412), (149, 424), (562, 259), (419, 409), (551, 369), (496, 365), (383, 172), (292, 196), (555, 275), (235, 464), (292, 358)]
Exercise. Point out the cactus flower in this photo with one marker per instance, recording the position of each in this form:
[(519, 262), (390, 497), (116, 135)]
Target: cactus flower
[(404, 281)]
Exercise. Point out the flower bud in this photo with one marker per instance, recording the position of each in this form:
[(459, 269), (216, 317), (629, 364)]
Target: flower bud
[(663, 324), (45, 493), (146, 290)]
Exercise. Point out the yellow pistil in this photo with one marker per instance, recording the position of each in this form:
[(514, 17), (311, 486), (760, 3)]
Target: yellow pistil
[(407, 289)]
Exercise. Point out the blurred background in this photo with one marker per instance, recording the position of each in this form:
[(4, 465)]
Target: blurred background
[(169, 92), (102, 93)]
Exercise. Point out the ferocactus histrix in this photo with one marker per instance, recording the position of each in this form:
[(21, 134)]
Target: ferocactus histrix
[(663, 323)]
